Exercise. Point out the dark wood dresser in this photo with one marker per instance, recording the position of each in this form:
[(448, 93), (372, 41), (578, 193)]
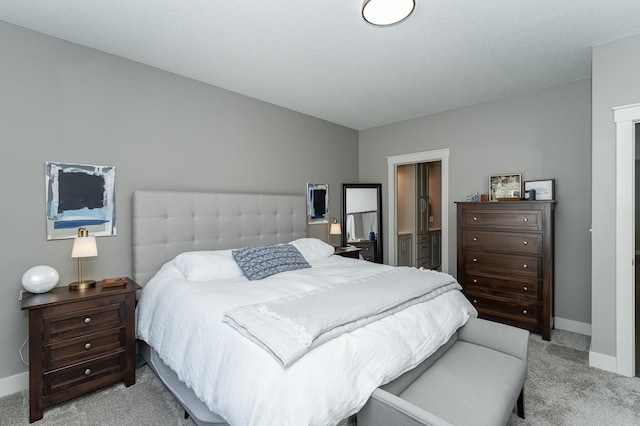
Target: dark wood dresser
[(505, 261), (79, 341)]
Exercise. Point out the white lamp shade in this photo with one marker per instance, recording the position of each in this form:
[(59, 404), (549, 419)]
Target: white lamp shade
[(386, 12), (40, 279), (335, 229), (84, 247)]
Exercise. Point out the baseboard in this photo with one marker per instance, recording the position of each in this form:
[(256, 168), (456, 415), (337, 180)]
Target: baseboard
[(13, 384), (573, 326), (596, 359), (603, 362)]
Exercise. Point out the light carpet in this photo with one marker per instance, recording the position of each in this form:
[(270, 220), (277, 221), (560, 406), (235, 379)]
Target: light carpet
[(561, 389)]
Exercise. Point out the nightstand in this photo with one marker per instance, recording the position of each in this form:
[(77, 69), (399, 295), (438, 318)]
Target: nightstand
[(353, 252), (80, 341), (368, 249)]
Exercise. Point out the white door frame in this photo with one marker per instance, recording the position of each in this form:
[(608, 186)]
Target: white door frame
[(392, 167), (625, 118)]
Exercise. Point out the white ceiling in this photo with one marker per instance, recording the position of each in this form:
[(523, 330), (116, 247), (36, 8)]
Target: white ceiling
[(320, 58)]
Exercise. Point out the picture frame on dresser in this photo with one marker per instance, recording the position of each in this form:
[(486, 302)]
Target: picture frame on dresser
[(505, 186), (544, 189)]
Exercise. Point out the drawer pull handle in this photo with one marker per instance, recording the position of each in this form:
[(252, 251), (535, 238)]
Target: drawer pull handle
[(475, 218), (87, 320), (525, 266), (87, 371), (87, 346), (526, 219), (475, 301), (475, 238), (524, 312), (525, 288), (475, 281), (475, 259), (526, 243)]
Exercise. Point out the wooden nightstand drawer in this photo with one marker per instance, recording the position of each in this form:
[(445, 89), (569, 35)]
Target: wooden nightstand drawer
[(88, 373), (511, 242), (365, 248), (82, 322), (83, 348)]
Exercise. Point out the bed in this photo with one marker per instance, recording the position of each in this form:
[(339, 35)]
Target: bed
[(199, 318)]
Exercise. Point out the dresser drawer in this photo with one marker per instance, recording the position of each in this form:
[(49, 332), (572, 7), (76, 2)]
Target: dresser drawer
[(82, 348), (424, 262), (423, 238), (82, 322), (423, 249), (512, 242), (527, 220), (503, 264), (521, 289), (92, 373), (513, 312)]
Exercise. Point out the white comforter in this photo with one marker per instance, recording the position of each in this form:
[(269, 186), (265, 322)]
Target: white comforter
[(244, 384)]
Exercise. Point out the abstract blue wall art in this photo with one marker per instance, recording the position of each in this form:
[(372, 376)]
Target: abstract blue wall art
[(79, 196), (317, 202)]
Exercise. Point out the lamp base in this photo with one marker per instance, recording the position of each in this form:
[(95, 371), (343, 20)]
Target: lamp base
[(81, 285)]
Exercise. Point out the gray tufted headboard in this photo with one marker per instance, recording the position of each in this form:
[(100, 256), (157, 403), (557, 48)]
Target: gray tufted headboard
[(167, 223)]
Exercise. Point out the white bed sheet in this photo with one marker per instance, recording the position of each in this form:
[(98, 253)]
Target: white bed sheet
[(244, 384)]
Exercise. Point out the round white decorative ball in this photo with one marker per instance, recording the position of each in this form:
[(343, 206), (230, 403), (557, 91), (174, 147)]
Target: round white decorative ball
[(40, 279)]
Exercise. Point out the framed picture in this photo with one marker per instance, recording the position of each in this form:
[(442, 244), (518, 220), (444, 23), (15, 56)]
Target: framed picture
[(545, 189), (79, 196), (317, 202), (506, 186)]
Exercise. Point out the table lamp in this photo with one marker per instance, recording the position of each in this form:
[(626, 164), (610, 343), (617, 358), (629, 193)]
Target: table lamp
[(335, 229), (83, 246)]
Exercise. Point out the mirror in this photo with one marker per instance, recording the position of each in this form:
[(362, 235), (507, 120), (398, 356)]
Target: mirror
[(362, 218)]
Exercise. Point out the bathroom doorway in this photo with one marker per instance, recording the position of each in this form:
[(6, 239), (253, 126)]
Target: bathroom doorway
[(419, 215), (393, 162)]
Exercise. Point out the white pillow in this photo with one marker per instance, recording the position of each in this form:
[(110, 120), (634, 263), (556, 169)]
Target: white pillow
[(207, 265), (313, 248)]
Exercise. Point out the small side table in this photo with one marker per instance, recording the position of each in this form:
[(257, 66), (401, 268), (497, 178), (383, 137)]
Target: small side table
[(79, 341), (349, 251)]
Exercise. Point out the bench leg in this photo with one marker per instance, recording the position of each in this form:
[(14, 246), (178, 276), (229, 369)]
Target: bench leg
[(521, 404)]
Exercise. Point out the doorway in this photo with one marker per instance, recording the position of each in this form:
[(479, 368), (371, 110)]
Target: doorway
[(419, 221), (393, 162)]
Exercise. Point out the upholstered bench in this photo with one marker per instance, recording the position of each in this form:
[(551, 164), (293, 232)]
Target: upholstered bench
[(475, 379)]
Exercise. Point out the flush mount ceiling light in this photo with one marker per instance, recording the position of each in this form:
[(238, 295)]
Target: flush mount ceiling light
[(387, 12)]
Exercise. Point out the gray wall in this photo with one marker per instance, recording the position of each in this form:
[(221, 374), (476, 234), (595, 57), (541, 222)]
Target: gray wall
[(66, 103), (616, 72), (543, 134)]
